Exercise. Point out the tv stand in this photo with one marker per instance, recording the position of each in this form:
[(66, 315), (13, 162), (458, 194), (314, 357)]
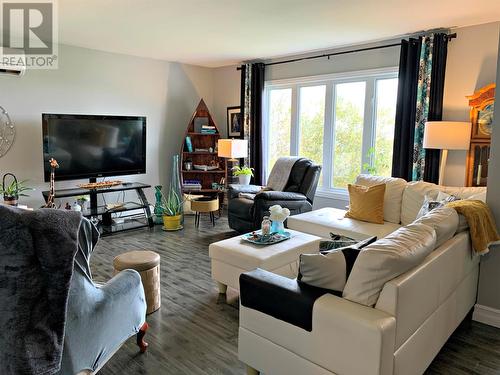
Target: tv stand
[(104, 216)]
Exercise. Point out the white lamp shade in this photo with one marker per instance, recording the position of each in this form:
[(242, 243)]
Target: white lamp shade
[(232, 148), (447, 135)]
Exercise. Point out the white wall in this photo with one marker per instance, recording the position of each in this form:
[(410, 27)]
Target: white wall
[(471, 64), (489, 279), (94, 82), (227, 81)]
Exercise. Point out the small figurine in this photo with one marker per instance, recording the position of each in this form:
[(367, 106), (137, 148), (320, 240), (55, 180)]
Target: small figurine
[(67, 207)]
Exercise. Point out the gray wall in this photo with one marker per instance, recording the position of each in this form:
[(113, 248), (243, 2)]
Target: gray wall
[(471, 64), (94, 82), (489, 281)]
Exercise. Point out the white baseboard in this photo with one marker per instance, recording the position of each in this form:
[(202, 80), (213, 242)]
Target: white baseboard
[(486, 315)]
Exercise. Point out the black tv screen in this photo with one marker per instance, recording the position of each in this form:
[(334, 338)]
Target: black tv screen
[(90, 146)]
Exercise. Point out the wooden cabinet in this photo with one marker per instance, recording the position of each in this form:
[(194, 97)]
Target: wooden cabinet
[(481, 116)]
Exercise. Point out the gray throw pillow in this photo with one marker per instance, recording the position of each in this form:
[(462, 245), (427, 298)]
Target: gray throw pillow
[(330, 269)]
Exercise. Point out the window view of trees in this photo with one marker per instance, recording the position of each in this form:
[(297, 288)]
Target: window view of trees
[(348, 130), (312, 122), (361, 142), (387, 92), (280, 114)]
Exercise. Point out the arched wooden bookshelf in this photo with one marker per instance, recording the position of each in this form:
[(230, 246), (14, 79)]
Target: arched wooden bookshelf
[(203, 141)]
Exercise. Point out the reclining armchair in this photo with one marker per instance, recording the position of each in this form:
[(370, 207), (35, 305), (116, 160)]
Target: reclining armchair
[(245, 214)]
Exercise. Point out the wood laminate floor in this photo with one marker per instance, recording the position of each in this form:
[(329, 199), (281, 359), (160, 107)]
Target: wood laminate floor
[(196, 332)]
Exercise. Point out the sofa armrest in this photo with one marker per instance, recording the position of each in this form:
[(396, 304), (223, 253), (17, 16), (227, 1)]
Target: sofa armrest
[(271, 195), (346, 337), (260, 289), (235, 189)]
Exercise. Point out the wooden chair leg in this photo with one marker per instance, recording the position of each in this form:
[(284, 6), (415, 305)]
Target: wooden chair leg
[(143, 345)]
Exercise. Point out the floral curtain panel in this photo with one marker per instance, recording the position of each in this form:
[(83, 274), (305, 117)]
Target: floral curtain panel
[(252, 89), (420, 99), (422, 112)]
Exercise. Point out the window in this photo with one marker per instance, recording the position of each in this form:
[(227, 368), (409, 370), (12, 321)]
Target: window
[(280, 106), (343, 121)]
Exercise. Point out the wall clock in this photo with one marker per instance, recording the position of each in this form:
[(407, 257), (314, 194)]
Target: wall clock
[(7, 132)]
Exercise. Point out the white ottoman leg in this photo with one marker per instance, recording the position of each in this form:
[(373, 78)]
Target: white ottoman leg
[(222, 288)]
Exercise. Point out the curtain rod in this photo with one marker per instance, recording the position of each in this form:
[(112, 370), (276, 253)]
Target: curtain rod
[(328, 55)]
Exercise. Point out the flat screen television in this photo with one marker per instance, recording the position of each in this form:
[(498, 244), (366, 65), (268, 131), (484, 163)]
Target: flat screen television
[(91, 146)]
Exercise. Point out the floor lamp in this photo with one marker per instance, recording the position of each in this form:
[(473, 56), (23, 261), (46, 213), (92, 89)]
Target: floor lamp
[(232, 149), (446, 135)]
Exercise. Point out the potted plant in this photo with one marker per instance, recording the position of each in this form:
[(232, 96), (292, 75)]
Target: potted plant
[(244, 174), (82, 200), (14, 190), (171, 207)]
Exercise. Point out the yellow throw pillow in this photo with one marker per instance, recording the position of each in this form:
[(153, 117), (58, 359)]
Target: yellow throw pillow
[(366, 203)]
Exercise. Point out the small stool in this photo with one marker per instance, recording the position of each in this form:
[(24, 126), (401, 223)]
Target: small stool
[(147, 263), (206, 204)]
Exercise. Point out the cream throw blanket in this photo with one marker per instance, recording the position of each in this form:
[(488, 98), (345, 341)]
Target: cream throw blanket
[(482, 226), (280, 173)]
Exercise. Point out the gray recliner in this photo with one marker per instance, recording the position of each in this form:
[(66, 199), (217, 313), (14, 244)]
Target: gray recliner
[(245, 214)]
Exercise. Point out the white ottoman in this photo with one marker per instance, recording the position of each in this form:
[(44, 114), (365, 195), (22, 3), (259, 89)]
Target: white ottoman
[(234, 256)]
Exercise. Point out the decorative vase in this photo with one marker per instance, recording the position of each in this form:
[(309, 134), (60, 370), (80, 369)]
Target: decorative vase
[(244, 179), (175, 183), (172, 223), (278, 227), (158, 211)]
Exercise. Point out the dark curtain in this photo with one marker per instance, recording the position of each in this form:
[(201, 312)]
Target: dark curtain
[(404, 131), (252, 90), (439, 54)]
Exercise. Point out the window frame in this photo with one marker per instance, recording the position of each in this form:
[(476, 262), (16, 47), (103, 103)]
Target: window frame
[(370, 76)]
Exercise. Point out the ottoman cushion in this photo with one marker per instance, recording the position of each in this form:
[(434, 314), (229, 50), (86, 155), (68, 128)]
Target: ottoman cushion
[(241, 254)]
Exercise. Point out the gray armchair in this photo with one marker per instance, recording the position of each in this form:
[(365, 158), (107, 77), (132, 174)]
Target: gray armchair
[(245, 214), (99, 318)]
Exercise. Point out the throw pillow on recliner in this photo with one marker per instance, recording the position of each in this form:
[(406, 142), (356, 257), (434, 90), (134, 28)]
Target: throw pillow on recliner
[(330, 269)]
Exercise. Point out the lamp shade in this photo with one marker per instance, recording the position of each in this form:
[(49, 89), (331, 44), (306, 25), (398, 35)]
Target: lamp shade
[(232, 148), (447, 135)]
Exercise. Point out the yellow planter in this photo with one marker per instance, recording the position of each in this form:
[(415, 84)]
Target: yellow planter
[(172, 222)]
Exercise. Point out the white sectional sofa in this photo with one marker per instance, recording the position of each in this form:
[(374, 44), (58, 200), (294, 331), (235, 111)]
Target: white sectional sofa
[(413, 317), (402, 202)]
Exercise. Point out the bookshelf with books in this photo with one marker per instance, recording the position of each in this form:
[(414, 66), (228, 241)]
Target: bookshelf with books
[(201, 168)]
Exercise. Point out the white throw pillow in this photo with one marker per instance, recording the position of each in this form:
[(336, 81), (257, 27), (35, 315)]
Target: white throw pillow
[(327, 271), (463, 192), (413, 199), (444, 220), (394, 188), (478, 197), (386, 259)]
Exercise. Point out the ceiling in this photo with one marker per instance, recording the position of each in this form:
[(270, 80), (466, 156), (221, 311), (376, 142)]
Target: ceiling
[(222, 32)]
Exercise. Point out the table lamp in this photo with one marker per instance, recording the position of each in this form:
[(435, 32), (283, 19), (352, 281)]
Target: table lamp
[(446, 135), (232, 149)]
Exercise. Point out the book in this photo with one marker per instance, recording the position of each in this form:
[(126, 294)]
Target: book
[(189, 145)]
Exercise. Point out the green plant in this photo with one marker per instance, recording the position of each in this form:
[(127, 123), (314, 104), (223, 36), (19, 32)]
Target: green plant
[(239, 171), (172, 204), (14, 191), (371, 169)]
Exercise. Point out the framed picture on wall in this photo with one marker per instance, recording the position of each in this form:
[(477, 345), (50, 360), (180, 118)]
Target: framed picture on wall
[(234, 122)]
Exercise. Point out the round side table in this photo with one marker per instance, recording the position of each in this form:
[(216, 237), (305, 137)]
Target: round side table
[(147, 263)]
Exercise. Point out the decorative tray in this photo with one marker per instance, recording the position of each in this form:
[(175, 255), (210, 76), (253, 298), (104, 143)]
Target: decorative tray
[(100, 185), (258, 239)]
